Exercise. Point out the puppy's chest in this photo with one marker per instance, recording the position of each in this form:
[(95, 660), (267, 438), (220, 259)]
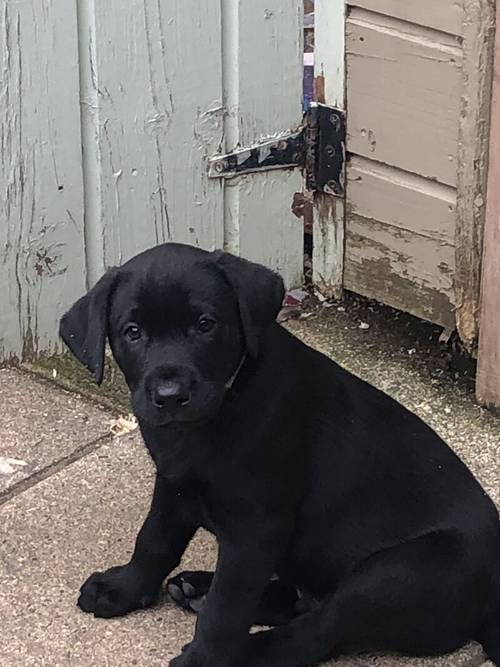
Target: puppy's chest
[(213, 484), (177, 455)]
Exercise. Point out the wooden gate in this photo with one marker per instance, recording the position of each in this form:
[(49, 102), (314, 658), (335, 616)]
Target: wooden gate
[(414, 78), (110, 112)]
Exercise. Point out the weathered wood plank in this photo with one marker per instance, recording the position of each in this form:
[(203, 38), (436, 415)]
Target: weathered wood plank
[(401, 199), (269, 233), (445, 15), (488, 371), (329, 52), (328, 249), (42, 261), (159, 118), (403, 95), (474, 128), (329, 211), (263, 60), (405, 270)]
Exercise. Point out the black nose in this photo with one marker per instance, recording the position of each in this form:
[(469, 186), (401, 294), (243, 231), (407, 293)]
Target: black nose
[(170, 393)]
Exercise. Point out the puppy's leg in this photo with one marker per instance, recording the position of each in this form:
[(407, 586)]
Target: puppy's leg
[(409, 599), (245, 565), (278, 605), (160, 544)]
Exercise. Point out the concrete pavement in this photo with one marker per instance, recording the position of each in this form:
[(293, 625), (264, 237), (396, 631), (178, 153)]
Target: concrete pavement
[(65, 485)]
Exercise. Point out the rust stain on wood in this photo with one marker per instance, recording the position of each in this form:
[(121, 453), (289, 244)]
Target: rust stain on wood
[(302, 207), (298, 204), (328, 244), (319, 89)]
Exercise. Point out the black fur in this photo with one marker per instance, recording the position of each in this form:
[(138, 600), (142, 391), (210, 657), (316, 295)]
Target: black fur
[(378, 536)]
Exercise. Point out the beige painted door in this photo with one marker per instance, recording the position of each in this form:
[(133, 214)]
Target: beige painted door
[(416, 83)]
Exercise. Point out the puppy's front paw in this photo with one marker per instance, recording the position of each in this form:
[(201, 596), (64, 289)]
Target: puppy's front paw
[(116, 592)]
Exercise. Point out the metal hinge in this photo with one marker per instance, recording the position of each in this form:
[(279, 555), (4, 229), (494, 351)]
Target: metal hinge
[(318, 147)]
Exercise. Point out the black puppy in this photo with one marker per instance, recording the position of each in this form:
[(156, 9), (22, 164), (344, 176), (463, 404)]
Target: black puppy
[(341, 518)]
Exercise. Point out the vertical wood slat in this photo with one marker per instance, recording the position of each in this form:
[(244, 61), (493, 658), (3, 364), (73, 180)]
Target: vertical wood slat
[(42, 267), (488, 372), (472, 161), (162, 113), (329, 211), (149, 79), (157, 73), (262, 43)]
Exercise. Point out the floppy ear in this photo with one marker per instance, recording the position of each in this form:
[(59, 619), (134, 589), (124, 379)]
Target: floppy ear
[(260, 294), (84, 328)]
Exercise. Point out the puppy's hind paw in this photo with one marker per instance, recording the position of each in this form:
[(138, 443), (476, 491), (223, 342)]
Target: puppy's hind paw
[(189, 589)]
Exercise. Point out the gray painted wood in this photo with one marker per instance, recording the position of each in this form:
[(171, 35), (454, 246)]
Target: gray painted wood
[(329, 211), (263, 60), (42, 266), (197, 78), (157, 75), (151, 89)]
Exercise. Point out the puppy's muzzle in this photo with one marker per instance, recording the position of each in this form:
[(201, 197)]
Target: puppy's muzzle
[(170, 395)]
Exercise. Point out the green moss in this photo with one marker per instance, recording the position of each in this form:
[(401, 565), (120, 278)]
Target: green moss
[(63, 369)]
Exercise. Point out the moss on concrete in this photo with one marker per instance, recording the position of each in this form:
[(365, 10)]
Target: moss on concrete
[(65, 370)]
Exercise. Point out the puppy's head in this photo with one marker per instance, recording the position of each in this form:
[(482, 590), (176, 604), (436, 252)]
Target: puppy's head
[(179, 321)]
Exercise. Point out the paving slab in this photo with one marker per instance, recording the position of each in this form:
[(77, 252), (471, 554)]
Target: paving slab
[(41, 426), (84, 518), (85, 515), (58, 532)]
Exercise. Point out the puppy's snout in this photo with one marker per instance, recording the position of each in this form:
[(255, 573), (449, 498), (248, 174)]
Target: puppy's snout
[(170, 394)]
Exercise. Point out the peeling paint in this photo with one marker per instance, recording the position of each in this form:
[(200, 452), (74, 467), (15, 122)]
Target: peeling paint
[(474, 126), (149, 117), (40, 174), (319, 89)]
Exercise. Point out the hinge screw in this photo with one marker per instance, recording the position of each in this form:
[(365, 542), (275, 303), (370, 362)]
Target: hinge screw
[(335, 121)]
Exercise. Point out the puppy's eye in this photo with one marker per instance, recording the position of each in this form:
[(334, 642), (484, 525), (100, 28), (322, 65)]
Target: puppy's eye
[(132, 332), (205, 324)]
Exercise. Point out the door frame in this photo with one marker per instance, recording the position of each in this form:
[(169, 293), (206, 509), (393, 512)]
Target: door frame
[(329, 210), (488, 371)]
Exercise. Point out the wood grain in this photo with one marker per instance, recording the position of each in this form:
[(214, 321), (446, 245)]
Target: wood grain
[(42, 260), (474, 129), (263, 61), (403, 95), (158, 81), (401, 199), (405, 270), (445, 15), (488, 372)]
